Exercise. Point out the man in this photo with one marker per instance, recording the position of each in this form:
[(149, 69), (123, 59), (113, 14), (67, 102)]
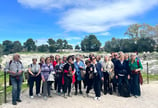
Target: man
[(15, 69)]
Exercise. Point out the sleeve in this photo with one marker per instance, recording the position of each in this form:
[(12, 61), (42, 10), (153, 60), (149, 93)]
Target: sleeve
[(140, 65), (65, 68), (22, 67), (42, 68)]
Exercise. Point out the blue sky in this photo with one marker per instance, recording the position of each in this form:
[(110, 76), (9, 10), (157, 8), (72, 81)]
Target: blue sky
[(72, 19)]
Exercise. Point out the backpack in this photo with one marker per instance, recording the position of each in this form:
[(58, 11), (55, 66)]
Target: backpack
[(140, 75)]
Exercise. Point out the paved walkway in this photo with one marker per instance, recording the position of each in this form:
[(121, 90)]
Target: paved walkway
[(149, 99)]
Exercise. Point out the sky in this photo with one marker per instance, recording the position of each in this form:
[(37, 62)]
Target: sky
[(72, 19)]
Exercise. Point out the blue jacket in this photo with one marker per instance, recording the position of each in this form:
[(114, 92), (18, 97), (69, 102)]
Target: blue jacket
[(78, 72), (98, 68)]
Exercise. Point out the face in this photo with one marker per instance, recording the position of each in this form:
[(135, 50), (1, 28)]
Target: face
[(77, 59), (133, 57), (34, 61), (126, 56), (52, 58), (64, 58), (48, 60), (122, 57), (93, 59), (70, 60), (106, 58), (16, 57)]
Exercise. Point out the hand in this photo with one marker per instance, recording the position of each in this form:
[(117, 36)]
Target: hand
[(102, 79), (91, 69), (137, 70), (116, 77), (19, 73), (43, 79), (128, 76), (36, 75)]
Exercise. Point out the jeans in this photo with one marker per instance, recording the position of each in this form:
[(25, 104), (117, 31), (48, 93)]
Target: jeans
[(135, 86), (77, 82), (16, 87), (89, 85), (58, 82), (97, 86), (31, 84)]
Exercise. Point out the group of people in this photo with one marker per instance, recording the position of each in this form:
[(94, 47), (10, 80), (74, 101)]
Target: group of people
[(116, 72)]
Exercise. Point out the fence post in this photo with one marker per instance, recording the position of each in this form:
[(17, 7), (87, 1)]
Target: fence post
[(5, 90), (147, 73)]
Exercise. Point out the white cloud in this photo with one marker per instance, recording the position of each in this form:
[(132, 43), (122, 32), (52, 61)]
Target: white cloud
[(73, 38), (103, 34), (94, 16)]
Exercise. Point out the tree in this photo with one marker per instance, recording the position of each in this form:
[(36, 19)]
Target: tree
[(7, 47), (51, 41), (77, 47), (90, 43), (17, 47), (52, 48), (30, 45), (43, 48), (59, 44), (69, 47)]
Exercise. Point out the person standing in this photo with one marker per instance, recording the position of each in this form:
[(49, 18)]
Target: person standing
[(79, 66), (98, 77), (34, 76), (46, 70), (135, 66), (15, 69), (68, 76), (108, 73), (123, 75), (89, 76)]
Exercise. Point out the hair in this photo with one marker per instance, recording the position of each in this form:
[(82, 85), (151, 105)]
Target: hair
[(69, 57), (41, 58), (34, 59), (87, 61), (47, 59)]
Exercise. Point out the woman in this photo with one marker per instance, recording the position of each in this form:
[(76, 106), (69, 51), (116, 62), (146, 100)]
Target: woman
[(34, 76), (58, 76), (79, 66), (46, 70), (68, 76), (135, 66), (98, 77), (89, 76), (123, 75), (108, 73)]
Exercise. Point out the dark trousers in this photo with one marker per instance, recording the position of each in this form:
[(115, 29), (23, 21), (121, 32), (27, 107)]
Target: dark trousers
[(106, 82), (114, 82), (135, 86), (97, 88), (67, 84), (16, 87), (121, 80), (77, 83), (37, 80), (89, 85), (58, 82)]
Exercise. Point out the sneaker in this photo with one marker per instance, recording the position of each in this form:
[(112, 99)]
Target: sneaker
[(65, 96), (135, 96), (99, 98), (45, 97), (31, 97), (95, 98), (59, 94), (49, 95), (38, 95), (69, 95)]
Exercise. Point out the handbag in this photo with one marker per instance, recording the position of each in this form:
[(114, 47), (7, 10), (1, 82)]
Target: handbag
[(51, 77)]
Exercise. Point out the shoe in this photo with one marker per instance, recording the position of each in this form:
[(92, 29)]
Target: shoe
[(87, 95), (38, 95), (45, 97), (18, 100), (69, 95), (65, 96), (59, 94), (135, 96), (49, 95), (95, 98), (31, 97), (76, 93), (14, 103), (99, 98), (81, 92), (105, 93)]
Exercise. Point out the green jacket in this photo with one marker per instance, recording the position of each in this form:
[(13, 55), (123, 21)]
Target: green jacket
[(134, 65)]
